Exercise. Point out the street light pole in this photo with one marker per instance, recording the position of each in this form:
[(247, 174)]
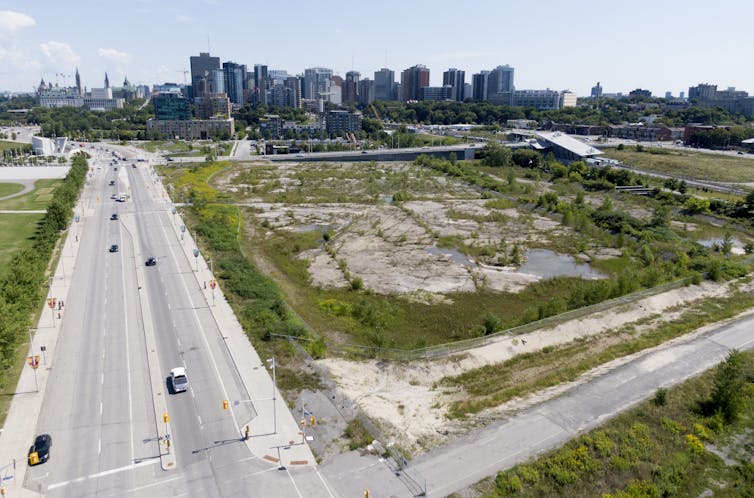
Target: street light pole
[(31, 345)]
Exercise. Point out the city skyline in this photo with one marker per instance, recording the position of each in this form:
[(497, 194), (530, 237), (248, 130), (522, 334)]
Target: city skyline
[(550, 46)]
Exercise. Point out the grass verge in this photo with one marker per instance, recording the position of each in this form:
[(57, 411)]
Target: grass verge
[(693, 164)]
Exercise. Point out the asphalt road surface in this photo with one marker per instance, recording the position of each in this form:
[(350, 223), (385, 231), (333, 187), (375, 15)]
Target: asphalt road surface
[(99, 407)]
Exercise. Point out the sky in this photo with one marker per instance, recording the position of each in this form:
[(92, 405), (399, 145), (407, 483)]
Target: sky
[(660, 45)]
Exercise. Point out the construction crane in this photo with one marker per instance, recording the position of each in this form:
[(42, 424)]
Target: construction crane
[(185, 74)]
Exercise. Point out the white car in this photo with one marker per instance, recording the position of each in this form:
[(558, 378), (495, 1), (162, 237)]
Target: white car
[(178, 379)]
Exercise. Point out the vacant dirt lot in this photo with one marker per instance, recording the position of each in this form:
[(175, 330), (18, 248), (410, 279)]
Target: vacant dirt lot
[(396, 249), (411, 232)]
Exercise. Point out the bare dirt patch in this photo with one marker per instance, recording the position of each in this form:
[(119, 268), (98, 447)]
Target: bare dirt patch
[(401, 248)]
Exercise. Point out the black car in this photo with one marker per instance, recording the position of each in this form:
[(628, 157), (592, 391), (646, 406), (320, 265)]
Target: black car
[(114, 216), (114, 248), (112, 182), (41, 447), (151, 262)]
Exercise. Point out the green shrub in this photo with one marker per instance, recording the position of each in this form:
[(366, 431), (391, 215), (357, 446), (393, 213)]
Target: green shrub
[(528, 474), (694, 444), (357, 434), (661, 397)]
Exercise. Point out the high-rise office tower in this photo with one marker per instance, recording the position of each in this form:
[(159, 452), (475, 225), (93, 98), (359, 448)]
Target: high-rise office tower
[(500, 80), (413, 80), (317, 81), (261, 84), (217, 81), (365, 91), (384, 84), (351, 87), (597, 90), (234, 77), (292, 86), (454, 78), (201, 73), (479, 85)]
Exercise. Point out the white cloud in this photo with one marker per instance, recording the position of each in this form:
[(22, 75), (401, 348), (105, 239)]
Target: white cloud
[(183, 18), (12, 21), (11, 52), (59, 53), (116, 55)]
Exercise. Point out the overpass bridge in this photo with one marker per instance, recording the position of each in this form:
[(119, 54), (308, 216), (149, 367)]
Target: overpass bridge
[(462, 152)]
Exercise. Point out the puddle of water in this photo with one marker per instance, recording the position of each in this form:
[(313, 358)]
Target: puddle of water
[(547, 264), (455, 256), (387, 199)]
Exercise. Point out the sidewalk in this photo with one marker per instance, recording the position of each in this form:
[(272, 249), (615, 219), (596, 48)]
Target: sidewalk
[(286, 446), (20, 426)]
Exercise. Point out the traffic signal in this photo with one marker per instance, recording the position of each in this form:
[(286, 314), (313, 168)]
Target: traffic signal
[(225, 404)]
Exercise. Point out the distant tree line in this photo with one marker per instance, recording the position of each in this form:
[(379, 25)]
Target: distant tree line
[(602, 113)]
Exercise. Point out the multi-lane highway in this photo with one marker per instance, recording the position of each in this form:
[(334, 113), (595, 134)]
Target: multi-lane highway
[(126, 323)]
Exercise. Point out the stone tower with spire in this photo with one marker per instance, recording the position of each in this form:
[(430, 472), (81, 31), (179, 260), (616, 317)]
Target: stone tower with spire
[(78, 83), (107, 81)]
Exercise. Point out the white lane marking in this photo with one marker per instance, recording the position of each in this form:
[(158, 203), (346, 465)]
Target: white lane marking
[(200, 419), (158, 483), (102, 379), (128, 369), (198, 322), (100, 407), (293, 482), (150, 461), (324, 483), (191, 390), (99, 446)]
